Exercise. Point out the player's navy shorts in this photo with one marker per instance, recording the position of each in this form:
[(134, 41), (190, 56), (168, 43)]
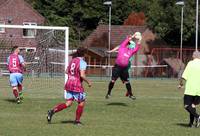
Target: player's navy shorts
[(16, 79), (77, 96), (189, 100), (121, 72)]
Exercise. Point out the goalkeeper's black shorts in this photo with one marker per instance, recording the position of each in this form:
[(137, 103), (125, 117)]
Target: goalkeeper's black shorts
[(121, 72)]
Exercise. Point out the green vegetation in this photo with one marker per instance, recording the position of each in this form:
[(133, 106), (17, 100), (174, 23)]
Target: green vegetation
[(158, 110), (163, 17)]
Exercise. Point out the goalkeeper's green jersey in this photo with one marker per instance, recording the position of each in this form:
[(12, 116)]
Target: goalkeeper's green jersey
[(132, 46)]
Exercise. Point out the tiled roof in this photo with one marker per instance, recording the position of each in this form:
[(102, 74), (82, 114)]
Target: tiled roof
[(101, 51), (22, 42), (3, 2), (118, 33), (99, 37)]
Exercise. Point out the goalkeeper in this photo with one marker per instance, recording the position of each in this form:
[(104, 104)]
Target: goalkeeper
[(125, 51)]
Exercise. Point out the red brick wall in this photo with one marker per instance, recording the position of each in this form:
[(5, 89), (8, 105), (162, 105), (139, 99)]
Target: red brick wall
[(18, 11)]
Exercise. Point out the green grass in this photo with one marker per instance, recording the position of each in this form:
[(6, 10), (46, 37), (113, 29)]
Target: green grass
[(158, 110)]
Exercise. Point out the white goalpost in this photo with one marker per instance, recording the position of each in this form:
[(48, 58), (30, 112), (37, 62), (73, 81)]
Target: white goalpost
[(52, 48)]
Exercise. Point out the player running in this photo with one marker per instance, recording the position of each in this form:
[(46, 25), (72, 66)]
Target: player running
[(122, 63), (16, 64), (74, 90)]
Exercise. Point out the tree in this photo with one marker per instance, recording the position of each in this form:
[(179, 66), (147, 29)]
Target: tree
[(83, 16), (164, 18), (137, 19)]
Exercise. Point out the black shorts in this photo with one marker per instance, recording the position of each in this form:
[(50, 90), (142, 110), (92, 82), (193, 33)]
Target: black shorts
[(189, 100), (121, 72)]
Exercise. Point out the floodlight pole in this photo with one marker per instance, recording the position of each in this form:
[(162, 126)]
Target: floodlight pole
[(197, 15), (181, 44), (109, 3), (181, 3)]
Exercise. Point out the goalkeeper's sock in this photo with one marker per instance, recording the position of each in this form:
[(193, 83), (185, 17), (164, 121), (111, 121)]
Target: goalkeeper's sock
[(129, 89), (59, 107), (15, 93), (79, 112), (110, 87)]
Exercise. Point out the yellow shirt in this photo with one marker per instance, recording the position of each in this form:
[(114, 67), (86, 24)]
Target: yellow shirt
[(192, 76)]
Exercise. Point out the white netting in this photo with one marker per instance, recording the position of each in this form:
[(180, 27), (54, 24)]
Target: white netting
[(49, 47), (134, 70)]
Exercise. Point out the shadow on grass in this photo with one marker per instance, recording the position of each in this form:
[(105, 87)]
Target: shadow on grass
[(68, 122), (182, 125), (10, 100), (72, 122), (117, 104), (62, 122)]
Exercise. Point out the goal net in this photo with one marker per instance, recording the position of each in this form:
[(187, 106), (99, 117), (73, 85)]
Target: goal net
[(45, 51)]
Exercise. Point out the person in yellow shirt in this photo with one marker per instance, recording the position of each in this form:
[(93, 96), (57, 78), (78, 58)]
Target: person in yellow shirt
[(191, 98)]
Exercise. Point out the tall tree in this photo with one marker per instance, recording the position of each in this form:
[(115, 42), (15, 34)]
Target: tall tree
[(81, 16), (137, 19), (164, 17)]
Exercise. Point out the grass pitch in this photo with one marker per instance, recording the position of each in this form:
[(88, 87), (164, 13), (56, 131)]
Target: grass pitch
[(158, 110)]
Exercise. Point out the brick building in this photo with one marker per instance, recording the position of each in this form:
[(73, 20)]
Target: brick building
[(97, 44), (18, 12)]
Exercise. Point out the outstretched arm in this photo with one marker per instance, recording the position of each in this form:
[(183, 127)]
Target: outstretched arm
[(113, 50)]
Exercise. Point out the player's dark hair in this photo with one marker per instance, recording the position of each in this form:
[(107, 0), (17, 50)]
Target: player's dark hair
[(80, 52), (14, 48)]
